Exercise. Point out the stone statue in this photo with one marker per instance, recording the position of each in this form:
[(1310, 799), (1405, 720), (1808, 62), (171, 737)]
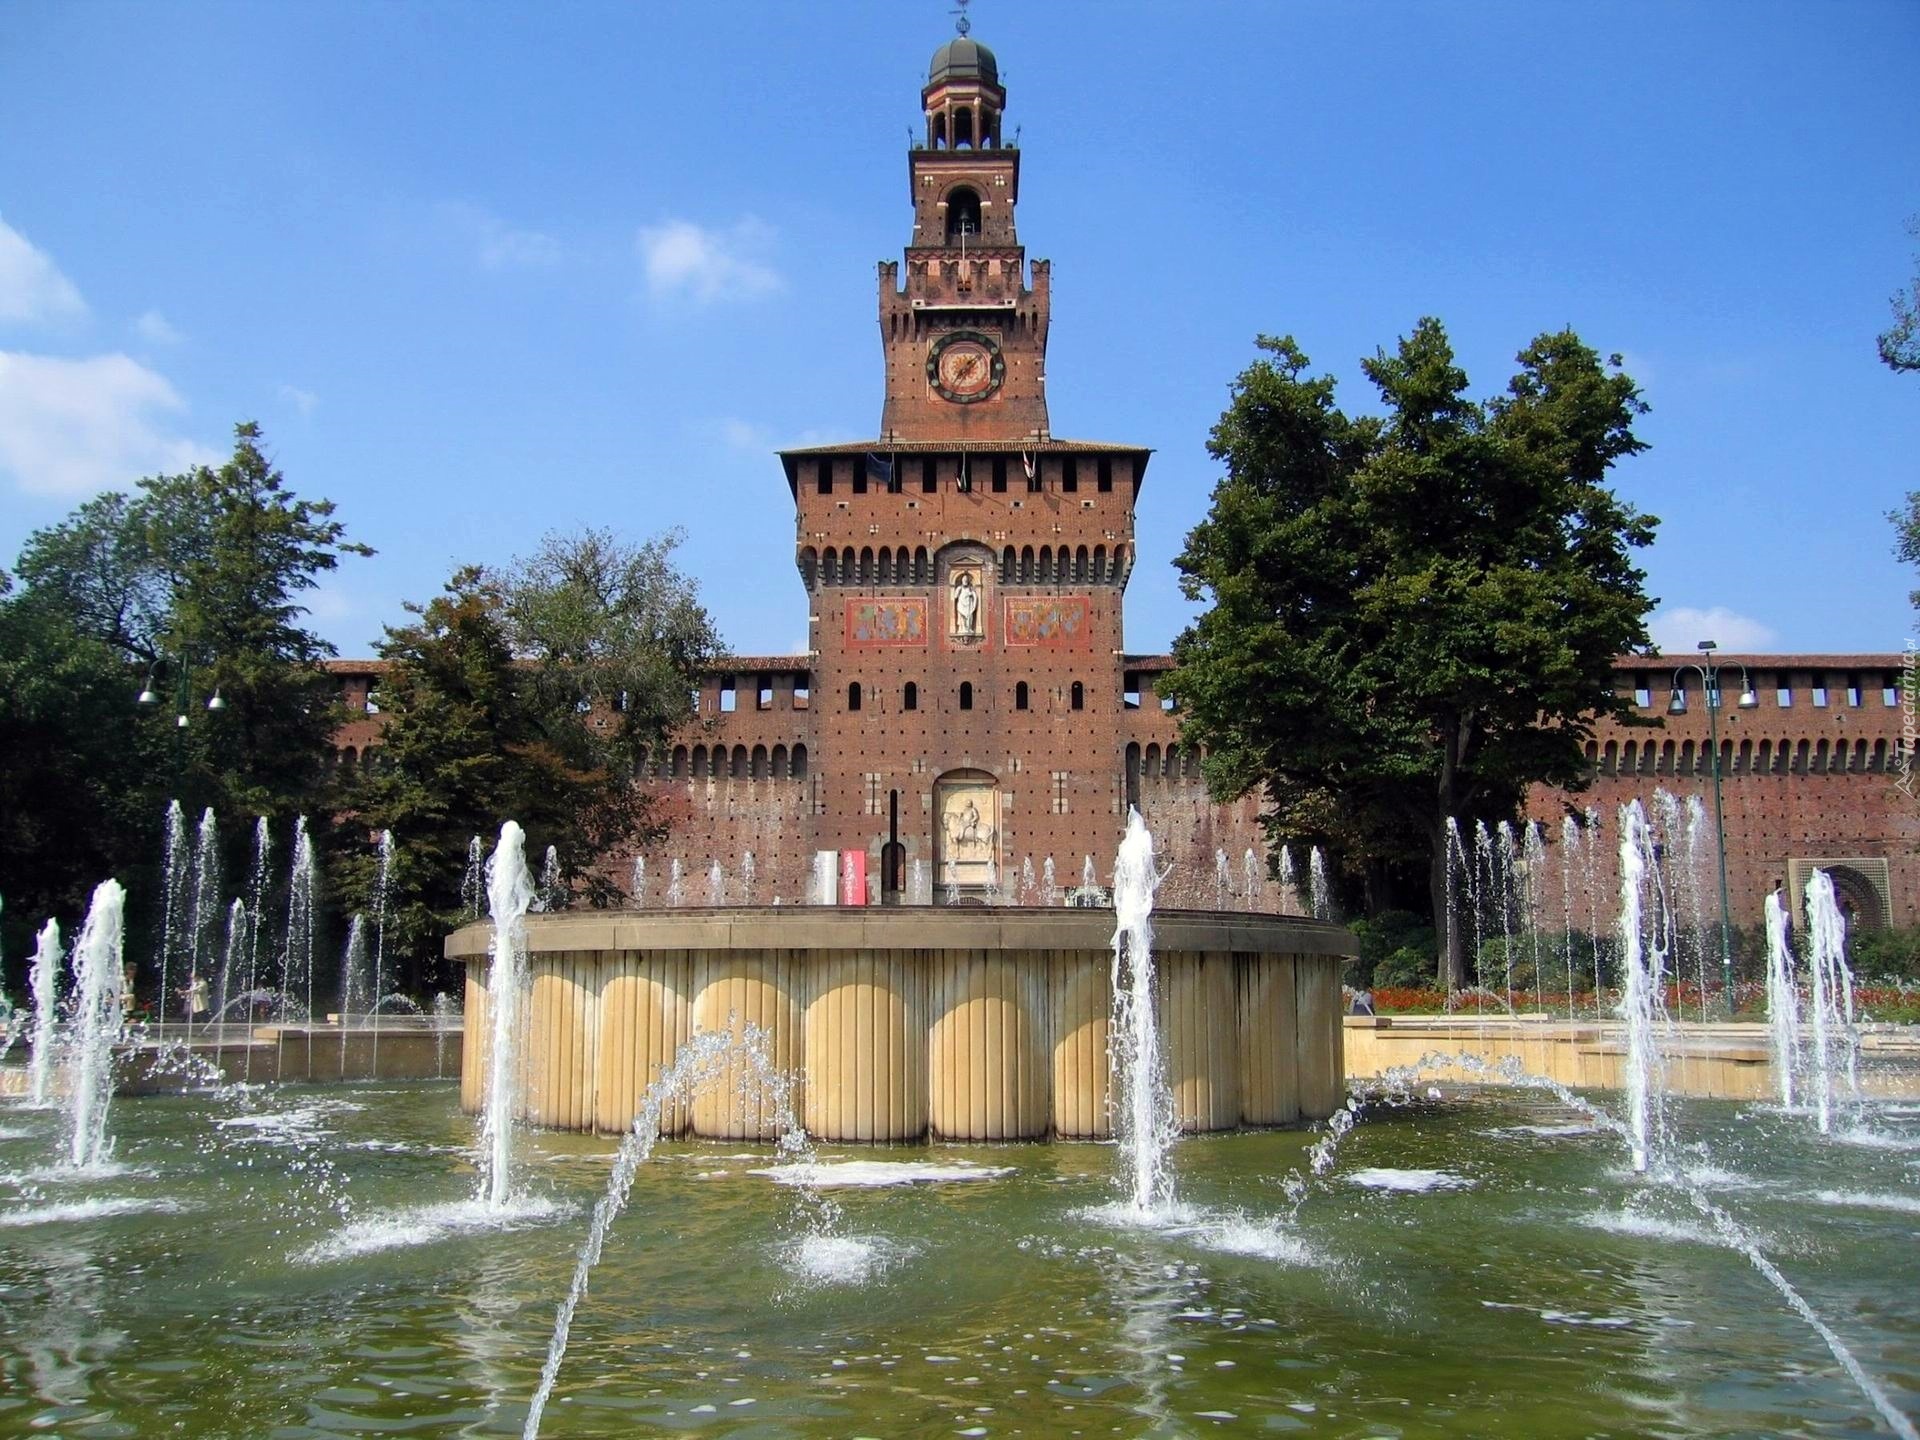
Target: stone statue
[(966, 607)]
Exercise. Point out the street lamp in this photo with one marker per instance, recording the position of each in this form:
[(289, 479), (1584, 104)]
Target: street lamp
[(149, 696), (1710, 684)]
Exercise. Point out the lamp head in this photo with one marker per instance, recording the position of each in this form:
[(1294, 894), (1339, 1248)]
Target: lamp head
[(1707, 645), (1678, 704), (216, 703)]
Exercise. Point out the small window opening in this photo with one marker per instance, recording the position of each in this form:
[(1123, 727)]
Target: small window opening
[(853, 696), (728, 698), (1079, 696), (966, 695), (910, 697), (1020, 694)]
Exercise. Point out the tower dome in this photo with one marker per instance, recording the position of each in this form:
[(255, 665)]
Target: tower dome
[(963, 58)]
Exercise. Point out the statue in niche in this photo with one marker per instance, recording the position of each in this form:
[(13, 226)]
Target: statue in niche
[(966, 605)]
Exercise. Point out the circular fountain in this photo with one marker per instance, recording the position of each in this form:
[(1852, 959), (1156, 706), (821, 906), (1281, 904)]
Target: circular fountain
[(942, 1023)]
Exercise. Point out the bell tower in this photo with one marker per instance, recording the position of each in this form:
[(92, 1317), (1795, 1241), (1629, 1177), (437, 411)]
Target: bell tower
[(965, 337)]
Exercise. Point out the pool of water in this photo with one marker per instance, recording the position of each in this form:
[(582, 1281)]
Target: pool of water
[(289, 1263)]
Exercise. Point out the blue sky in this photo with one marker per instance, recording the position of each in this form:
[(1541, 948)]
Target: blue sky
[(483, 271)]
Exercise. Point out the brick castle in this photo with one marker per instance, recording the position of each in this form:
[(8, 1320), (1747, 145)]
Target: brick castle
[(967, 708)]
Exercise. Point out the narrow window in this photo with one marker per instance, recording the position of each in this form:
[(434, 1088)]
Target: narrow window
[(763, 696), (1079, 696), (999, 474), (859, 479), (1642, 695), (727, 696), (1069, 475), (1819, 697), (1105, 474), (1783, 697), (966, 695), (1020, 696), (853, 696), (928, 485), (801, 695), (910, 698), (826, 477), (1130, 692)]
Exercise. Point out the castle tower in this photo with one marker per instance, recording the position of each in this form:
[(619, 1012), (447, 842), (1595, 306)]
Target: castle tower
[(964, 568), (965, 339)]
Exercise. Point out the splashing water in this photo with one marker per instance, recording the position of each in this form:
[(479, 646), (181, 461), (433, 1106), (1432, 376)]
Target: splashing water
[(716, 884), (747, 870), (637, 883), (1222, 880), (44, 983), (1289, 887), (552, 891), (1642, 1005), (204, 909), (96, 1026), (296, 966), (176, 885), (704, 1060), (1317, 882), (675, 896), (1049, 886), (1783, 1000), (473, 885), (1256, 880), (509, 896), (1145, 1123), (1836, 1042)]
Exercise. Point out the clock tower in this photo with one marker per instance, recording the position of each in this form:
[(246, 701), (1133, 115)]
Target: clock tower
[(965, 338)]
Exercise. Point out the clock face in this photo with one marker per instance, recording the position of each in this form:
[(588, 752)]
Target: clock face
[(965, 366)]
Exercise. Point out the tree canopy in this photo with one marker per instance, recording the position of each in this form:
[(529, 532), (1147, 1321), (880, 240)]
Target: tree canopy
[(1899, 344), (1415, 615), (187, 588), (526, 693)]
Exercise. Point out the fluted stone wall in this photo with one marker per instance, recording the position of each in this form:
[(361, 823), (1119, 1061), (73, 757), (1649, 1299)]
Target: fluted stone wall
[(902, 1025)]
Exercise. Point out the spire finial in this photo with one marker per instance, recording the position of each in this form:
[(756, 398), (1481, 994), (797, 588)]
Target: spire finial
[(961, 23)]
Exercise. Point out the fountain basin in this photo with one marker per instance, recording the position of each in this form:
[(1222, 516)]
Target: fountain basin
[(904, 1024)]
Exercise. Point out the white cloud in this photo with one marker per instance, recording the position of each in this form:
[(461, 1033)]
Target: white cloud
[(154, 328), (301, 400), (32, 289), (499, 246), (682, 258), (73, 427), (1682, 627)]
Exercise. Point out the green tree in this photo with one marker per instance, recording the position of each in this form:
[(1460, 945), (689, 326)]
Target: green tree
[(524, 694), (1900, 343), (1416, 614), (193, 582), (1906, 526)]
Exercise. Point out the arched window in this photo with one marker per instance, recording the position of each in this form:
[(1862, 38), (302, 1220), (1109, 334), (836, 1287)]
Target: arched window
[(1171, 765), (1629, 754), (1020, 695), (966, 695), (1079, 696), (759, 762), (910, 697), (677, 766), (809, 566), (641, 761), (699, 762), (1612, 760), (799, 769), (1150, 763), (779, 762), (853, 695), (739, 767), (963, 206), (1763, 762)]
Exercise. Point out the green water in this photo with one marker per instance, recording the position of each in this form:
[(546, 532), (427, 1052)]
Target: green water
[(1545, 1293)]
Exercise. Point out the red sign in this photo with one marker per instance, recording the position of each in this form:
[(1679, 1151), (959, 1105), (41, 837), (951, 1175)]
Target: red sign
[(853, 877)]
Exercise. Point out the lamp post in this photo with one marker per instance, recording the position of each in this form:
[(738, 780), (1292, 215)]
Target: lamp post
[(149, 696), (1710, 685)]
